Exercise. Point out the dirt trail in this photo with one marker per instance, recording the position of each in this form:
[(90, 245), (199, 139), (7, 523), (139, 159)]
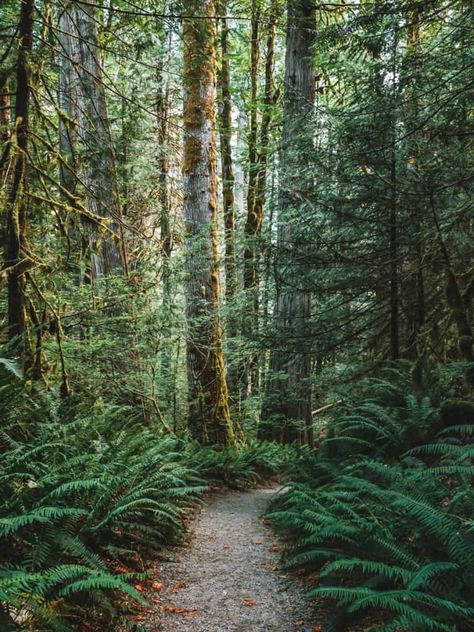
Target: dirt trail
[(226, 579)]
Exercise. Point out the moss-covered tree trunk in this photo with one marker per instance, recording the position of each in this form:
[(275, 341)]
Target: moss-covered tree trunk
[(228, 199), (16, 255), (257, 187), (252, 221), (4, 132), (209, 417), (85, 134), (290, 388), (163, 98), (259, 141)]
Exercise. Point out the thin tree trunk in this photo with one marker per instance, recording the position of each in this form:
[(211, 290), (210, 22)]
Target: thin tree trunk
[(166, 238), (393, 241), (393, 235), (268, 102), (290, 387), (414, 277), (249, 316), (4, 132), (252, 222), (258, 158), (228, 179), (209, 417), (15, 251)]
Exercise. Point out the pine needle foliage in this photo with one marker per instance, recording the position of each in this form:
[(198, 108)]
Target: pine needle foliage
[(390, 535)]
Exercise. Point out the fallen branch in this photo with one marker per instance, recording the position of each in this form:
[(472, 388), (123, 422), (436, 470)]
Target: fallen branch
[(327, 407)]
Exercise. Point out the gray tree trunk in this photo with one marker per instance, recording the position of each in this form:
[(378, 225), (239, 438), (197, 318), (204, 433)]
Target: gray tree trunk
[(290, 386), (85, 140)]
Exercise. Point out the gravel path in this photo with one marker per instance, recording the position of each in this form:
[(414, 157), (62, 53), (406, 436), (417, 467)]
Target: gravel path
[(226, 578)]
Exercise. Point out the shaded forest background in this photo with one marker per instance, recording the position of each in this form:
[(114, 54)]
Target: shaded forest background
[(237, 241)]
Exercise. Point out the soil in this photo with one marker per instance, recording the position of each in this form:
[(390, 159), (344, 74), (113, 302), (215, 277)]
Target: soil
[(226, 578)]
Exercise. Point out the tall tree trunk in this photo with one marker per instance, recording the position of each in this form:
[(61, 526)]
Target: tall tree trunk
[(209, 417), (413, 285), (258, 158), (290, 387), (162, 110), (393, 247), (67, 104), (15, 251), (262, 163), (254, 222), (249, 315), (84, 102), (227, 167), (393, 230), (251, 223), (4, 132), (166, 237)]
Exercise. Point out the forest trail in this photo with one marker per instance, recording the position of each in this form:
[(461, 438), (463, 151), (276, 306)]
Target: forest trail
[(226, 579)]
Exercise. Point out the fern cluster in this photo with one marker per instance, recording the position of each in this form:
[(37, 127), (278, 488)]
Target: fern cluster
[(88, 495), (391, 536), (83, 496), (242, 465)]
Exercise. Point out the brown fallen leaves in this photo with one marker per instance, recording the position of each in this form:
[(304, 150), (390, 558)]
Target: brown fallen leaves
[(182, 611), (180, 583)]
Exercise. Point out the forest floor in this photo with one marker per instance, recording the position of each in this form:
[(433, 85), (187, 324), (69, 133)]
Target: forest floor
[(226, 577)]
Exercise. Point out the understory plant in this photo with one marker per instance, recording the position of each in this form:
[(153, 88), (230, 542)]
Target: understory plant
[(242, 465), (85, 496), (381, 515), (88, 496)]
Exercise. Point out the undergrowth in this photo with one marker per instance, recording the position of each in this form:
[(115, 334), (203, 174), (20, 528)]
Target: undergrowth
[(88, 495), (381, 515), (243, 465)]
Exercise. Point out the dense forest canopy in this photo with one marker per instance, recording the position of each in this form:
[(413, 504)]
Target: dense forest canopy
[(229, 226)]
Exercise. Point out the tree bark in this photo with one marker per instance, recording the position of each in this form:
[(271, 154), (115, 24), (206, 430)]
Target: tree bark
[(290, 388), (5, 124), (209, 416), (255, 210), (393, 233), (258, 158), (228, 179), (251, 223), (166, 237), (393, 246), (15, 251), (414, 277), (92, 160)]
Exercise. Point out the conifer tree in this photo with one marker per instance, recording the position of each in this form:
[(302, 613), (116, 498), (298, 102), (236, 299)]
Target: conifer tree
[(290, 387), (209, 416)]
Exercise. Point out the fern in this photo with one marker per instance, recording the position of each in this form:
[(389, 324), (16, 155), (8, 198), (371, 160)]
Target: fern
[(388, 528)]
